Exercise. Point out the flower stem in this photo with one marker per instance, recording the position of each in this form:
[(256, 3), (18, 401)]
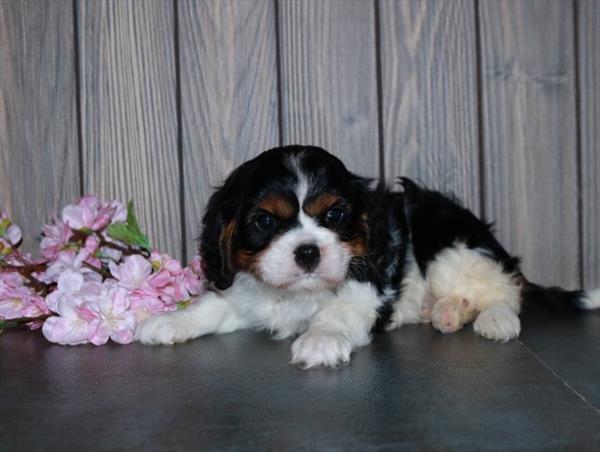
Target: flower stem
[(11, 323), (126, 251), (104, 273), (27, 270)]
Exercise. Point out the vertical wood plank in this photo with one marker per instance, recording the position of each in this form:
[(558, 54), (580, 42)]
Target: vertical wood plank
[(429, 90), (328, 79), (128, 105), (528, 86), (229, 94), (589, 82), (39, 161)]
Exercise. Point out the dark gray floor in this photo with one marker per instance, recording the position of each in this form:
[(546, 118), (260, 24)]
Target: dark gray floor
[(411, 389)]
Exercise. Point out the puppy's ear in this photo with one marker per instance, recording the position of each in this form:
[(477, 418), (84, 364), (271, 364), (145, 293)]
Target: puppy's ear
[(219, 230), (361, 191)]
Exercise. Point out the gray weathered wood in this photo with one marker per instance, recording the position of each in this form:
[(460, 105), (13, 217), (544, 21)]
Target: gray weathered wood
[(128, 111), (39, 163), (589, 79), (328, 79), (528, 85), (429, 75), (229, 94)]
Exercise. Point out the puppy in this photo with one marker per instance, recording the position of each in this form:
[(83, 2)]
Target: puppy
[(296, 244)]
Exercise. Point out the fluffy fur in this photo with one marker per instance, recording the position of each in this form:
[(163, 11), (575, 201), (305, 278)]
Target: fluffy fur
[(295, 244)]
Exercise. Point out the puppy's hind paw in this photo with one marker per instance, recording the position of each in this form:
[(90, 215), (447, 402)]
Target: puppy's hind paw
[(321, 348), (498, 323), (447, 316), (164, 329)]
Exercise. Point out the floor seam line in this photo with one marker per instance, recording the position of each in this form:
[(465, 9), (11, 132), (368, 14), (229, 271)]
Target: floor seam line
[(556, 375)]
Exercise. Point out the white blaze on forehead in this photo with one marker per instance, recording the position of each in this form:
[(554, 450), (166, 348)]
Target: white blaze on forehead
[(308, 225), (302, 187)]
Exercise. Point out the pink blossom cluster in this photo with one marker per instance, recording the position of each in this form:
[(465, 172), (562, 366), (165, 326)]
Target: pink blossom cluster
[(96, 279)]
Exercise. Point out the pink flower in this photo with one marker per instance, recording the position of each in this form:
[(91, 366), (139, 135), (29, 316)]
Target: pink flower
[(18, 300), (21, 302), (145, 304), (10, 232), (164, 262), (173, 282), (68, 260), (132, 273), (192, 282), (89, 312), (55, 237), (10, 235), (118, 322), (76, 323), (196, 266), (9, 280), (89, 213), (87, 253), (13, 234), (169, 287)]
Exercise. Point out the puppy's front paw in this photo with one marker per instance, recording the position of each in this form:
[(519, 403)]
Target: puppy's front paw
[(321, 348), (498, 323), (164, 329)]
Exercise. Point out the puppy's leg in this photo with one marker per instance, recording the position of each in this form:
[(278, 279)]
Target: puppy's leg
[(339, 326), (415, 303), (211, 313), (467, 284)]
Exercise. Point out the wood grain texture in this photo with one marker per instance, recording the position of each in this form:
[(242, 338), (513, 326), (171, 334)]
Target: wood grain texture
[(429, 75), (229, 94), (39, 161), (328, 79), (528, 85), (589, 83), (128, 111)]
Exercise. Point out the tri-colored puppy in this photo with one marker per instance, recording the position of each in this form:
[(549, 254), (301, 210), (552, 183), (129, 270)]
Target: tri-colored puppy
[(296, 244)]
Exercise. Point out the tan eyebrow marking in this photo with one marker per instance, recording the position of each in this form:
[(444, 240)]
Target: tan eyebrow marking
[(278, 206), (321, 204)]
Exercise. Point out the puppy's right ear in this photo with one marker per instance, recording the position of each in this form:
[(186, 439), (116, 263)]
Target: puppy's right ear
[(219, 229)]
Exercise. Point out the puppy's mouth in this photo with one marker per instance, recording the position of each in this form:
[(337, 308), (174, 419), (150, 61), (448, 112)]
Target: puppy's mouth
[(309, 281)]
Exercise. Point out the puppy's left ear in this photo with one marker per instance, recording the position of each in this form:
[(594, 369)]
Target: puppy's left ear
[(219, 230)]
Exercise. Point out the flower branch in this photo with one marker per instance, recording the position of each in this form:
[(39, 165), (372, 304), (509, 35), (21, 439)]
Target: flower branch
[(96, 280)]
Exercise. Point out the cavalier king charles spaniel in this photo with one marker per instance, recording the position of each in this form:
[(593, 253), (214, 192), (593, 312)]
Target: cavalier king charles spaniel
[(296, 244)]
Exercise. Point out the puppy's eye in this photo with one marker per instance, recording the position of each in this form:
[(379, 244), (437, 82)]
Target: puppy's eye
[(334, 216), (264, 222)]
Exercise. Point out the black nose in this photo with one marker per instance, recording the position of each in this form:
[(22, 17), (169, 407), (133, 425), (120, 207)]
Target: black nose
[(307, 256)]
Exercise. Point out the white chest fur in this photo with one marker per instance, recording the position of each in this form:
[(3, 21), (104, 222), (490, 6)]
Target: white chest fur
[(281, 312)]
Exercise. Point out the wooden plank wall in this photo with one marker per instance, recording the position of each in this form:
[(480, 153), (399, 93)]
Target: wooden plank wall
[(39, 155), (529, 133), (497, 101)]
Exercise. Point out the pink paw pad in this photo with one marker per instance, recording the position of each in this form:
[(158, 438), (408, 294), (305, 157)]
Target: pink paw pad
[(446, 314)]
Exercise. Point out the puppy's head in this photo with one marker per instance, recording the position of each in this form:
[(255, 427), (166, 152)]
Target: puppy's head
[(294, 217)]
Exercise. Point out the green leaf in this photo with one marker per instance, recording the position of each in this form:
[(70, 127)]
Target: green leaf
[(126, 234), (131, 220), (4, 224), (129, 232), (184, 304)]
